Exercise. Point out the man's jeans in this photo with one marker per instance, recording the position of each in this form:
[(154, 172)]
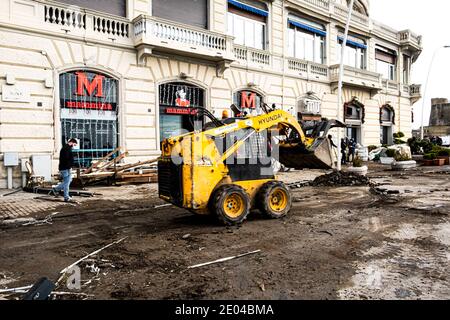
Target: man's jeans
[(66, 175)]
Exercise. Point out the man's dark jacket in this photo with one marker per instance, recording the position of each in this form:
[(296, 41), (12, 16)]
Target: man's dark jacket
[(65, 158)]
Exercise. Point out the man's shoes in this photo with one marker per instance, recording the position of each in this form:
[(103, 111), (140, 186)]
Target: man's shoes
[(68, 199), (54, 193)]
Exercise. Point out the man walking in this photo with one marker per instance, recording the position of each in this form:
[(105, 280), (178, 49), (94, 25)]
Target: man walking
[(65, 166)]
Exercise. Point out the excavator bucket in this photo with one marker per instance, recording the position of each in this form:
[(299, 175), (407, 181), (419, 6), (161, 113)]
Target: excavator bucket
[(319, 156)]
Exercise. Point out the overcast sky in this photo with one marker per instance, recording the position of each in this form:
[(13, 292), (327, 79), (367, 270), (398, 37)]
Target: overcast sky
[(431, 19)]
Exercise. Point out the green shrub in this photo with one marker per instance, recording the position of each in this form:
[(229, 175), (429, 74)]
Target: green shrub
[(399, 157), (357, 162), (414, 144), (398, 138), (430, 156), (444, 152), (390, 153), (426, 145)]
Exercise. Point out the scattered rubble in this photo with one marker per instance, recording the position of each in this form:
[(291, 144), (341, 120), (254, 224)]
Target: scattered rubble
[(341, 179)]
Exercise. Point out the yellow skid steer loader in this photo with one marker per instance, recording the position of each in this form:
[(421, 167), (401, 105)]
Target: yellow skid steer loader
[(226, 167)]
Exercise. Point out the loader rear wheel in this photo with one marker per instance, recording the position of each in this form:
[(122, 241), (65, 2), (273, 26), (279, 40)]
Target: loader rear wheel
[(231, 204), (274, 200)]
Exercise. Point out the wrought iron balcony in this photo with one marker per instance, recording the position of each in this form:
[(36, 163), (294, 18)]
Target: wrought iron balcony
[(153, 33)]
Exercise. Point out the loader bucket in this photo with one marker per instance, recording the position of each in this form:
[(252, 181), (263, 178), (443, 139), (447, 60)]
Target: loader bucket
[(318, 156)]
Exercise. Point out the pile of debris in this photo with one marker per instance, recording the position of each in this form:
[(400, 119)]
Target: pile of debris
[(111, 169), (340, 179)]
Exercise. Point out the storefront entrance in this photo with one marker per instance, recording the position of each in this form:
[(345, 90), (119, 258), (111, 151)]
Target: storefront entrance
[(89, 108), (354, 119), (387, 121), (177, 101)]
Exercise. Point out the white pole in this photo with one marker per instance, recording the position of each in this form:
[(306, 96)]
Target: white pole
[(10, 177), (341, 75)]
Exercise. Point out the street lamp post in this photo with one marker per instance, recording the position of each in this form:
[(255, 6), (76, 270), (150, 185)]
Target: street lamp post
[(341, 75), (426, 86)]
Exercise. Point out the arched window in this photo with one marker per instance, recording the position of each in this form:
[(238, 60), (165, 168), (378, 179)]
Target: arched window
[(176, 103), (354, 115), (89, 108), (309, 107), (387, 114), (387, 121), (249, 101), (354, 111)]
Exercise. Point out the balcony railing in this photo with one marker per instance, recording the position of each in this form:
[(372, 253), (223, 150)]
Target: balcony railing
[(252, 56), (172, 36), (307, 69), (407, 37), (54, 18), (415, 90), (357, 77), (390, 85)]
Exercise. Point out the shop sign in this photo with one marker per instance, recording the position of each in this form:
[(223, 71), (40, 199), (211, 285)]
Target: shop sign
[(88, 91), (15, 93), (183, 111)]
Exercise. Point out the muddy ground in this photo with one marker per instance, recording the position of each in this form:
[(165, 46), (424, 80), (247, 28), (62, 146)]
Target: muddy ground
[(337, 243)]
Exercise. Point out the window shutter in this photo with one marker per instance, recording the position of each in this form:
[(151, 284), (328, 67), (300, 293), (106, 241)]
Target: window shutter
[(192, 12)]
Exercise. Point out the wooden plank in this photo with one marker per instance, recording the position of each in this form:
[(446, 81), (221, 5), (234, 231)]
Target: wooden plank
[(99, 161), (112, 162), (135, 165)]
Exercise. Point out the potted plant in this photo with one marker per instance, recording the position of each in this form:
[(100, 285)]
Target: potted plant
[(444, 154), (389, 158), (358, 167), (403, 162), (429, 159)]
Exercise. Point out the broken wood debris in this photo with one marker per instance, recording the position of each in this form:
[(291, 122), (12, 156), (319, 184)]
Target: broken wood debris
[(224, 259), (63, 272), (109, 169), (16, 290)]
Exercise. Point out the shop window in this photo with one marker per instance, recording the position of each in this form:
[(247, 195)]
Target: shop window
[(247, 23), (306, 40), (89, 108), (177, 103)]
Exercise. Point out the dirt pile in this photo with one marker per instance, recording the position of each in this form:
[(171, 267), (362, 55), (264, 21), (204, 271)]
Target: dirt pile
[(340, 179)]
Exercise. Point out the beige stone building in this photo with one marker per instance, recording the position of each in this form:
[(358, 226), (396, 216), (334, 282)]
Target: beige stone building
[(127, 72)]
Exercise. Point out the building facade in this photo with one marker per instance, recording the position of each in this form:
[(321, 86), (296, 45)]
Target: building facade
[(128, 72), (439, 118)]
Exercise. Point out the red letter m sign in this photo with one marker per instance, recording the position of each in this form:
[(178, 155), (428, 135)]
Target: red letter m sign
[(83, 83), (248, 100)]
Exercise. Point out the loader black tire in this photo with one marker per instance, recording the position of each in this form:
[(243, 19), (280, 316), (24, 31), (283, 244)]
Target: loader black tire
[(230, 204), (274, 200)]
